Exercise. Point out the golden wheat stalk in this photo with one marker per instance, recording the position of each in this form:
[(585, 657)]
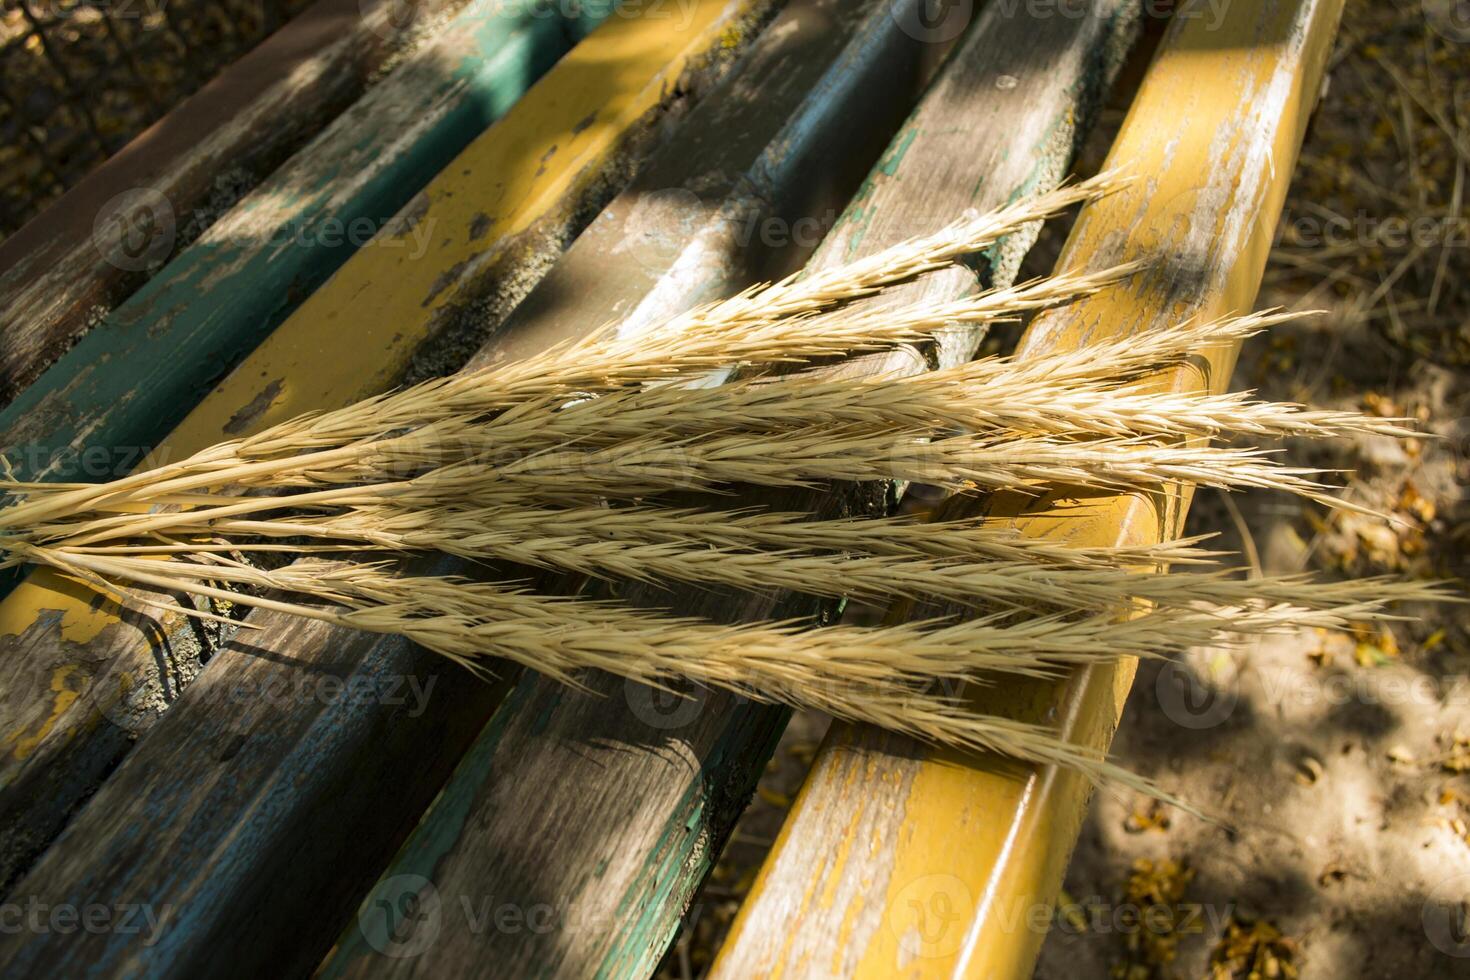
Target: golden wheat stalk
[(807, 292), (934, 403), (693, 555), (897, 537), (292, 454), (928, 405), (320, 443), (708, 337), (881, 675), (800, 458), (804, 457)]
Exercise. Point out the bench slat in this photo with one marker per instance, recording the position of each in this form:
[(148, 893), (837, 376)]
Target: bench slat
[(593, 817), (81, 682), (902, 858), (55, 275), (137, 373)]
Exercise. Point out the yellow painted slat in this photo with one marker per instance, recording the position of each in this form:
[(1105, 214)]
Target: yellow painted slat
[(915, 862), (355, 335)]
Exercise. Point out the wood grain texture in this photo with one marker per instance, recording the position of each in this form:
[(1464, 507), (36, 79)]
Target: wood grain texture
[(903, 860), (135, 375), (210, 831), (320, 748), (588, 820), (57, 276), (83, 681)]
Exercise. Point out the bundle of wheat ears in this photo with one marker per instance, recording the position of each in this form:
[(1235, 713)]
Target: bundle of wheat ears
[(564, 462)]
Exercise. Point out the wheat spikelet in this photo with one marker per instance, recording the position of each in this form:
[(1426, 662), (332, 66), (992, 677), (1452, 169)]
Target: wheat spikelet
[(802, 458), (263, 460), (765, 530), (928, 405), (881, 675), (954, 399), (639, 545), (446, 417), (805, 456)]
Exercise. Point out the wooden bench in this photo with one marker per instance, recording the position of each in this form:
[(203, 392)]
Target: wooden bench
[(651, 821), (258, 808)]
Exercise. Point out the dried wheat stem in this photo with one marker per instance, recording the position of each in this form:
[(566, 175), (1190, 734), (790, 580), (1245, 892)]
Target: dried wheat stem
[(797, 458), (804, 457), (615, 364), (879, 675), (696, 557), (328, 439), (454, 402), (932, 404), (468, 620), (718, 334), (807, 291), (967, 539)]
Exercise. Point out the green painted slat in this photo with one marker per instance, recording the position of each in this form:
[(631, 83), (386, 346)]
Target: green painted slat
[(98, 410)]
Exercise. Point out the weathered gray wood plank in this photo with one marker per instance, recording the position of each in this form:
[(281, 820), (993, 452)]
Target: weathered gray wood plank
[(593, 817), (62, 271)]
